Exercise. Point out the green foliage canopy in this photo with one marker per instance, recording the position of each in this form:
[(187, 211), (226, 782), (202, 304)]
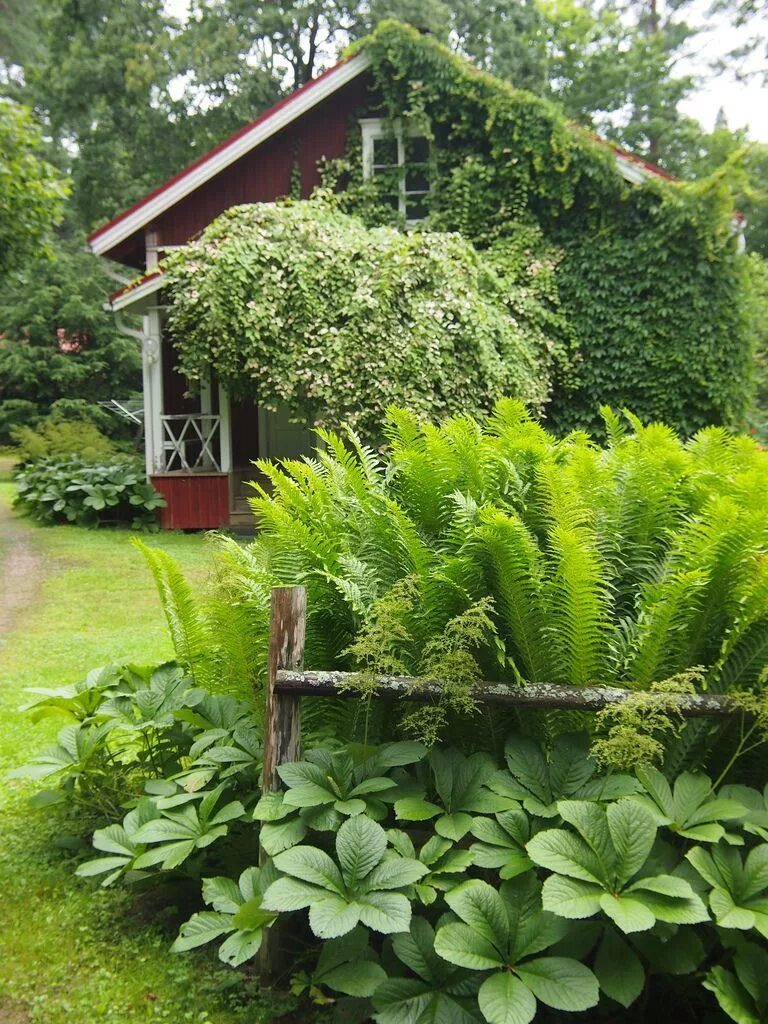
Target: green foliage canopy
[(301, 304), (32, 192)]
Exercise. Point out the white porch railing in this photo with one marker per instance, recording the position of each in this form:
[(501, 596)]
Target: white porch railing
[(188, 442)]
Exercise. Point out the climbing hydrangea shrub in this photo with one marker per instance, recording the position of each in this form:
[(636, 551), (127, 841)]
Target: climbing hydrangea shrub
[(303, 305)]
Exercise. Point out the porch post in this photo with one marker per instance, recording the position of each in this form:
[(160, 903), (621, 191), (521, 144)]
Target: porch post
[(225, 431), (152, 368)]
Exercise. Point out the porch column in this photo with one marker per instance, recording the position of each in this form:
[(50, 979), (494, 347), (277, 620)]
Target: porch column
[(152, 370), (225, 431)]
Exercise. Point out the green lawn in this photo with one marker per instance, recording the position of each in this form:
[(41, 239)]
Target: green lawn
[(70, 952)]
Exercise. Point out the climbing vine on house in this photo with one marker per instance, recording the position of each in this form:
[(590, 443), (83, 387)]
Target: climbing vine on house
[(538, 272), (305, 306), (650, 278)]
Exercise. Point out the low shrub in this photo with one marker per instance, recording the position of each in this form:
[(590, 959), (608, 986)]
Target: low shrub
[(438, 885), (87, 493), (60, 437)]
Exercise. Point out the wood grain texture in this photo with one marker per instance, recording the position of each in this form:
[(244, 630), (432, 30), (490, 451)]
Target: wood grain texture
[(282, 720), (544, 696)]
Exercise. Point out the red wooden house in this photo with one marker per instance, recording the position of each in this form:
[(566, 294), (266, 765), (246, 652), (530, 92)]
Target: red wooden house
[(199, 451)]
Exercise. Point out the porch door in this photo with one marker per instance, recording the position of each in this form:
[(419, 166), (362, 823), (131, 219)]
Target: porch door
[(260, 434), (281, 439)]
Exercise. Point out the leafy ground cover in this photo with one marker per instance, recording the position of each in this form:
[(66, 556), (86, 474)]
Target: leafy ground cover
[(68, 953)]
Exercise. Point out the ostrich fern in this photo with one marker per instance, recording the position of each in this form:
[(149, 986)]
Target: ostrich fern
[(624, 563)]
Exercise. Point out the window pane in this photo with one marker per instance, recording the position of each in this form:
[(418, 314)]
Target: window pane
[(385, 151), (415, 207), (416, 180), (416, 150)]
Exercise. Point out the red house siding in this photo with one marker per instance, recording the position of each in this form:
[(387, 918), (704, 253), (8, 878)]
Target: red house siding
[(198, 501), (264, 174)]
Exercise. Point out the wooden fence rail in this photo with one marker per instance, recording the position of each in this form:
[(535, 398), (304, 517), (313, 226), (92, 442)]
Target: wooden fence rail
[(287, 683)]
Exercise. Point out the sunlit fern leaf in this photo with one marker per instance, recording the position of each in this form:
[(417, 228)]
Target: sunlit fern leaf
[(191, 638)]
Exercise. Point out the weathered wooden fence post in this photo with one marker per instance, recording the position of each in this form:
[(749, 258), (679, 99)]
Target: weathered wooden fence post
[(282, 722), (282, 718)]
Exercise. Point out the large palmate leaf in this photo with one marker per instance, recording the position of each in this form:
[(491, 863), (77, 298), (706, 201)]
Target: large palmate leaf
[(119, 842), (178, 833), (499, 933), (538, 781), (237, 913), (446, 863), (743, 992), (461, 787), (739, 894), (502, 843), (604, 866), (437, 992), (689, 808), (363, 885)]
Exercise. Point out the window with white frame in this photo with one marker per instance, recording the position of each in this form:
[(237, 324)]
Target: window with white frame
[(401, 160)]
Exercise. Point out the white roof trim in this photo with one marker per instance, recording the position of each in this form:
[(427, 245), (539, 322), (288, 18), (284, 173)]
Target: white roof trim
[(136, 295), (228, 154)]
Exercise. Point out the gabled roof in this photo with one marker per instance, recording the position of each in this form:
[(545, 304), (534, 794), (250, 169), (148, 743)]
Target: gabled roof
[(210, 164), (248, 138)]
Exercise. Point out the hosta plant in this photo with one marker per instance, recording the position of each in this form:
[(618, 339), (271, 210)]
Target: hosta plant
[(498, 935)]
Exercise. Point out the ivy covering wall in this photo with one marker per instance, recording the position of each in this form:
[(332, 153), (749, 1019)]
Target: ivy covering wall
[(539, 272)]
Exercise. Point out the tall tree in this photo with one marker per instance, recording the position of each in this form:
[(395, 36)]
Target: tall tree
[(32, 192)]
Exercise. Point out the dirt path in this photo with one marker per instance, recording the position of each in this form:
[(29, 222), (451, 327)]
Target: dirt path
[(21, 569)]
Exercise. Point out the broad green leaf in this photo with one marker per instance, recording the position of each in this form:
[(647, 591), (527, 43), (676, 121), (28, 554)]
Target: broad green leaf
[(282, 835), (271, 807), (633, 832), (702, 861), (395, 873), (360, 845), (689, 793), (459, 944), (590, 822), (755, 871), (727, 913), (570, 897), (618, 969), (630, 915), (732, 996), (308, 794), (223, 894), (504, 999), (528, 765), (252, 915), (290, 894), (332, 916), (482, 908), (100, 866), (311, 865), (241, 946), (377, 785), (350, 807), (453, 826), (202, 928), (360, 978), (658, 788), (385, 912), (559, 982), (564, 853), (412, 808)]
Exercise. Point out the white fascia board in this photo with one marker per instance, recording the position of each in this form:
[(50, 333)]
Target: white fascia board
[(207, 169), (138, 296)]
